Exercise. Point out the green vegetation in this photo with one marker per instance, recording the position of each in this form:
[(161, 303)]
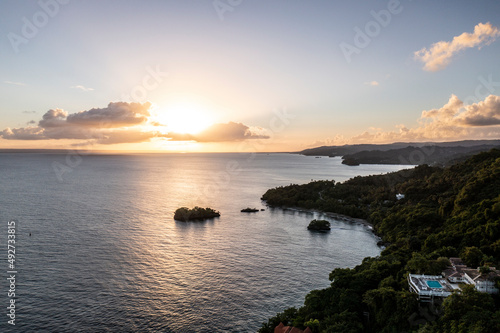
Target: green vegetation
[(445, 212), (196, 214), (433, 155), (443, 153), (320, 225)]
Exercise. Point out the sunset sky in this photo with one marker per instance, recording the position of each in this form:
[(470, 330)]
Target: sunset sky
[(246, 75)]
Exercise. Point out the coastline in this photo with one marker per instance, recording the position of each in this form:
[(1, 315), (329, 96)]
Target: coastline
[(338, 217)]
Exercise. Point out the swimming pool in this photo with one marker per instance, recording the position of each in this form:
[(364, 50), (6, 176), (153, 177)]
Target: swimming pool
[(434, 284)]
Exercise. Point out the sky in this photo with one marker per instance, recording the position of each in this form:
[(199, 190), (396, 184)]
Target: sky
[(241, 75)]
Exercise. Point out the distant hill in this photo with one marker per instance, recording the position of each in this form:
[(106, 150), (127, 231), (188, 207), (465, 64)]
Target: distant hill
[(34, 151), (442, 153), (432, 155)]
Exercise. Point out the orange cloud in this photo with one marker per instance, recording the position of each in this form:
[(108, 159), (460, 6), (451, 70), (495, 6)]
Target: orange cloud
[(120, 122), (439, 55), (452, 121), (222, 132), (104, 125), (117, 114), (484, 113)]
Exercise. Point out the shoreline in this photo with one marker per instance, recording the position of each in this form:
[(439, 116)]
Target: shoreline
[(339, 217)]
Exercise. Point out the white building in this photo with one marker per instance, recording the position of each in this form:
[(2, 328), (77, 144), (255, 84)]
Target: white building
[(427, 287), (483, 282), (460, 273)]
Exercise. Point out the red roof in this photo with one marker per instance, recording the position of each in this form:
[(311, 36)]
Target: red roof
[(290, 329)]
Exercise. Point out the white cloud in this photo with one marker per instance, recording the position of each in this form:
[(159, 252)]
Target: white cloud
[(82, 88), (53, 118), (372, 83), (452, 121), (484, 113), (15, 83), (439, 55)]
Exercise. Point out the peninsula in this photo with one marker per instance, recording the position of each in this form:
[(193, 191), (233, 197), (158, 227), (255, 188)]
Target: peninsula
[(428, 216)]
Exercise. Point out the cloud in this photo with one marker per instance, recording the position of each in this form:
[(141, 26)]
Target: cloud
[(15, 83), (452, 121), (118, 114), (53, 118), (29, 112), (82, 88), (484, 113), (115, 115), (439, 55), (126, 136), (104, 125), (222, 132), (456, 114), (26, 133), (337, 140), (372, 83), (121, 122)]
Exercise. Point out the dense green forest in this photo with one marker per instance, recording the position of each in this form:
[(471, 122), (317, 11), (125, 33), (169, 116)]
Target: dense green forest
[(445, 213)]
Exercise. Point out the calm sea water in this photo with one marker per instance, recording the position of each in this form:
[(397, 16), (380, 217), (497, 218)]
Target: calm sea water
[(105, 254)]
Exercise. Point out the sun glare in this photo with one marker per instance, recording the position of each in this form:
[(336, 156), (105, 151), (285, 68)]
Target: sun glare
[(185, 117)]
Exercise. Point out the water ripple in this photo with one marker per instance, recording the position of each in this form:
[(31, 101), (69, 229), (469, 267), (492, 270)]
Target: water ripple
[(105, 255)]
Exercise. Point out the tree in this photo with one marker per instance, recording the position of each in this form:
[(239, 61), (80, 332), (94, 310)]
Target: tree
[(423, 230), (390, 309), (472, 256), (417, 263), (471, 311)]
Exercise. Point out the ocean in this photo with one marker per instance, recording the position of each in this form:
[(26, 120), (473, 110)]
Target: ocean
[(98, 250)]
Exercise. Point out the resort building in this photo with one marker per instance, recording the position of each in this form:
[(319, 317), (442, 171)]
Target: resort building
[(460, 273), (427, 287), (455, 273), (430, 286)]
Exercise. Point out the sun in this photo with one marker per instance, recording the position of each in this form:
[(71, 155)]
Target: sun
[(185, 118)]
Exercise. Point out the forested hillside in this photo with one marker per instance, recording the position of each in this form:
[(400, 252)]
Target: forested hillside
[(431, 155), (444, 213)]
